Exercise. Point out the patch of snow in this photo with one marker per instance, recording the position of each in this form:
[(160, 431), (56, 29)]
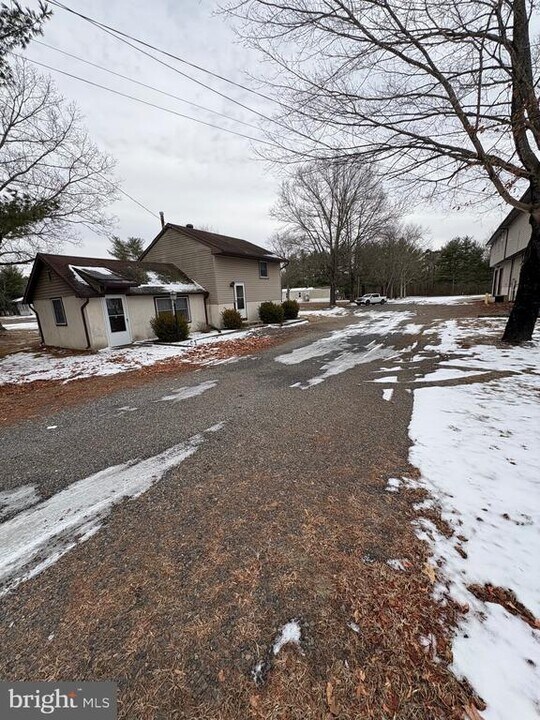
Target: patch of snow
[(373, 323), (387, 379), (476, 447), (52, 427), (412, 329), (387, 393), (290, 633), (393, 485), (442, 300), (45, 532), (346, 361), (153, 280), (27, 367), (126, 409), (188, 391), (17, 499), (397, 564), (325, 312), (447, 374), (30, 325)]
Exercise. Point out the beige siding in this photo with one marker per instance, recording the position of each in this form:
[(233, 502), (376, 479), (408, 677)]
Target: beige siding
[(50, 285), (258, 290), (194, 258), (141, 309), (71, 335)]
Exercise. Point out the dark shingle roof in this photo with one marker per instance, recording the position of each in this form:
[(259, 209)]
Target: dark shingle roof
[(221, 244), (92, 277)]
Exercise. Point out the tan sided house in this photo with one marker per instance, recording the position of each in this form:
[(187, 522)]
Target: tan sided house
[(83, 302), (506, 250), (236, 273)]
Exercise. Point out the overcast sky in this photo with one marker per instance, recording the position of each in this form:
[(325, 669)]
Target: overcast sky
[(193, 173)]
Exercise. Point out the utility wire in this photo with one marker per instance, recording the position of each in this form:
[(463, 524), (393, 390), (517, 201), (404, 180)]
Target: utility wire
[(98, 23), (142, 84), (130, 197), (119, 35), (149, 104)]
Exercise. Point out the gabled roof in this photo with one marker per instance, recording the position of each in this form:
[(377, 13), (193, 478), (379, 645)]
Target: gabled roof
[(220, 244), (512, 215), (93, 277)]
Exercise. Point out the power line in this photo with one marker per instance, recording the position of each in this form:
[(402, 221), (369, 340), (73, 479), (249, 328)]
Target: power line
[(149, 104), (119, 35), (98, 23), (142, 84), (137, 202)]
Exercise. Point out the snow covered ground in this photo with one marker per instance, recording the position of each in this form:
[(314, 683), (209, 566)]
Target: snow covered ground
[(441, 300), (21, 325), (477, 449), (27, 367), (325, 312)]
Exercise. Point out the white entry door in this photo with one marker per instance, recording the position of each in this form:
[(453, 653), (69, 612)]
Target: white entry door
[(240, 299), (117, 320)]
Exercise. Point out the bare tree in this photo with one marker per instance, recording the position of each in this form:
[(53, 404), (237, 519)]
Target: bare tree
[(331, 208), (395, 260), (442, 93), (53, 179)]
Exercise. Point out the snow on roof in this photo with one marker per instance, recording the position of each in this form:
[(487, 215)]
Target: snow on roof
[(154, 280)]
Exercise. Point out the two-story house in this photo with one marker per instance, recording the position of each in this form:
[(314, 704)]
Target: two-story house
[(506, 249), (234, 272)]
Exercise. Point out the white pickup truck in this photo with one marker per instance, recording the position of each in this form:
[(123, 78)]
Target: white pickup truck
[(371, 299)]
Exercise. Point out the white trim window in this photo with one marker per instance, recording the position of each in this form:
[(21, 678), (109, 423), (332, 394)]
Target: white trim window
[(164, 306), (263, 269), (59, 312)]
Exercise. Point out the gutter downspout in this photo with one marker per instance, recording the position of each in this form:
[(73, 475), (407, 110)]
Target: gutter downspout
[(206, 296), (85, 303), (38, 323)]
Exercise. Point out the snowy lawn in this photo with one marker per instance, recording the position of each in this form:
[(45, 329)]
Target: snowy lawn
[(477, 449), (437, 300), (325, 312), (27, 367)]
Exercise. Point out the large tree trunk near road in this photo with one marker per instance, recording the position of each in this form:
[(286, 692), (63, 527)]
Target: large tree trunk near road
[(520, 325)]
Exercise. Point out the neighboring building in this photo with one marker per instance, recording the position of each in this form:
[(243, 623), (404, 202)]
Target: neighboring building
[(506, 249), (236, 273), (21, 307), (83, 302), (307, 294)]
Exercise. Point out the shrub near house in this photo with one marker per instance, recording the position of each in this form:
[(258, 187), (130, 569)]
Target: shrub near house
[(290, 309), (231, 319), (169, 329), (270, 312)]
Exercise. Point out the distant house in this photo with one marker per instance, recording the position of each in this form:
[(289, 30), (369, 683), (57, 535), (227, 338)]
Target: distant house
[(83, 302), (506, 249), (307, 294), (236, 273)]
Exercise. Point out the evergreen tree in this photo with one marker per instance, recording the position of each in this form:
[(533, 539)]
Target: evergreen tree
[(12, 285), (462, 261), (130, 249)]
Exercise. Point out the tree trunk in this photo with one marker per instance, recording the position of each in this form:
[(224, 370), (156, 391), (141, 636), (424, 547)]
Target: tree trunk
[(520, 325)]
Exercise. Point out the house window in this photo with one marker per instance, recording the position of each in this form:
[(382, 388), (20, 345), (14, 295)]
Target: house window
[(164, 306), (263, 269), (59, 312)]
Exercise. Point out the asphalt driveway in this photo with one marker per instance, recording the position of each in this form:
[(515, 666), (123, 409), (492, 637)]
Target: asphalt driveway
[(277, 511)]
